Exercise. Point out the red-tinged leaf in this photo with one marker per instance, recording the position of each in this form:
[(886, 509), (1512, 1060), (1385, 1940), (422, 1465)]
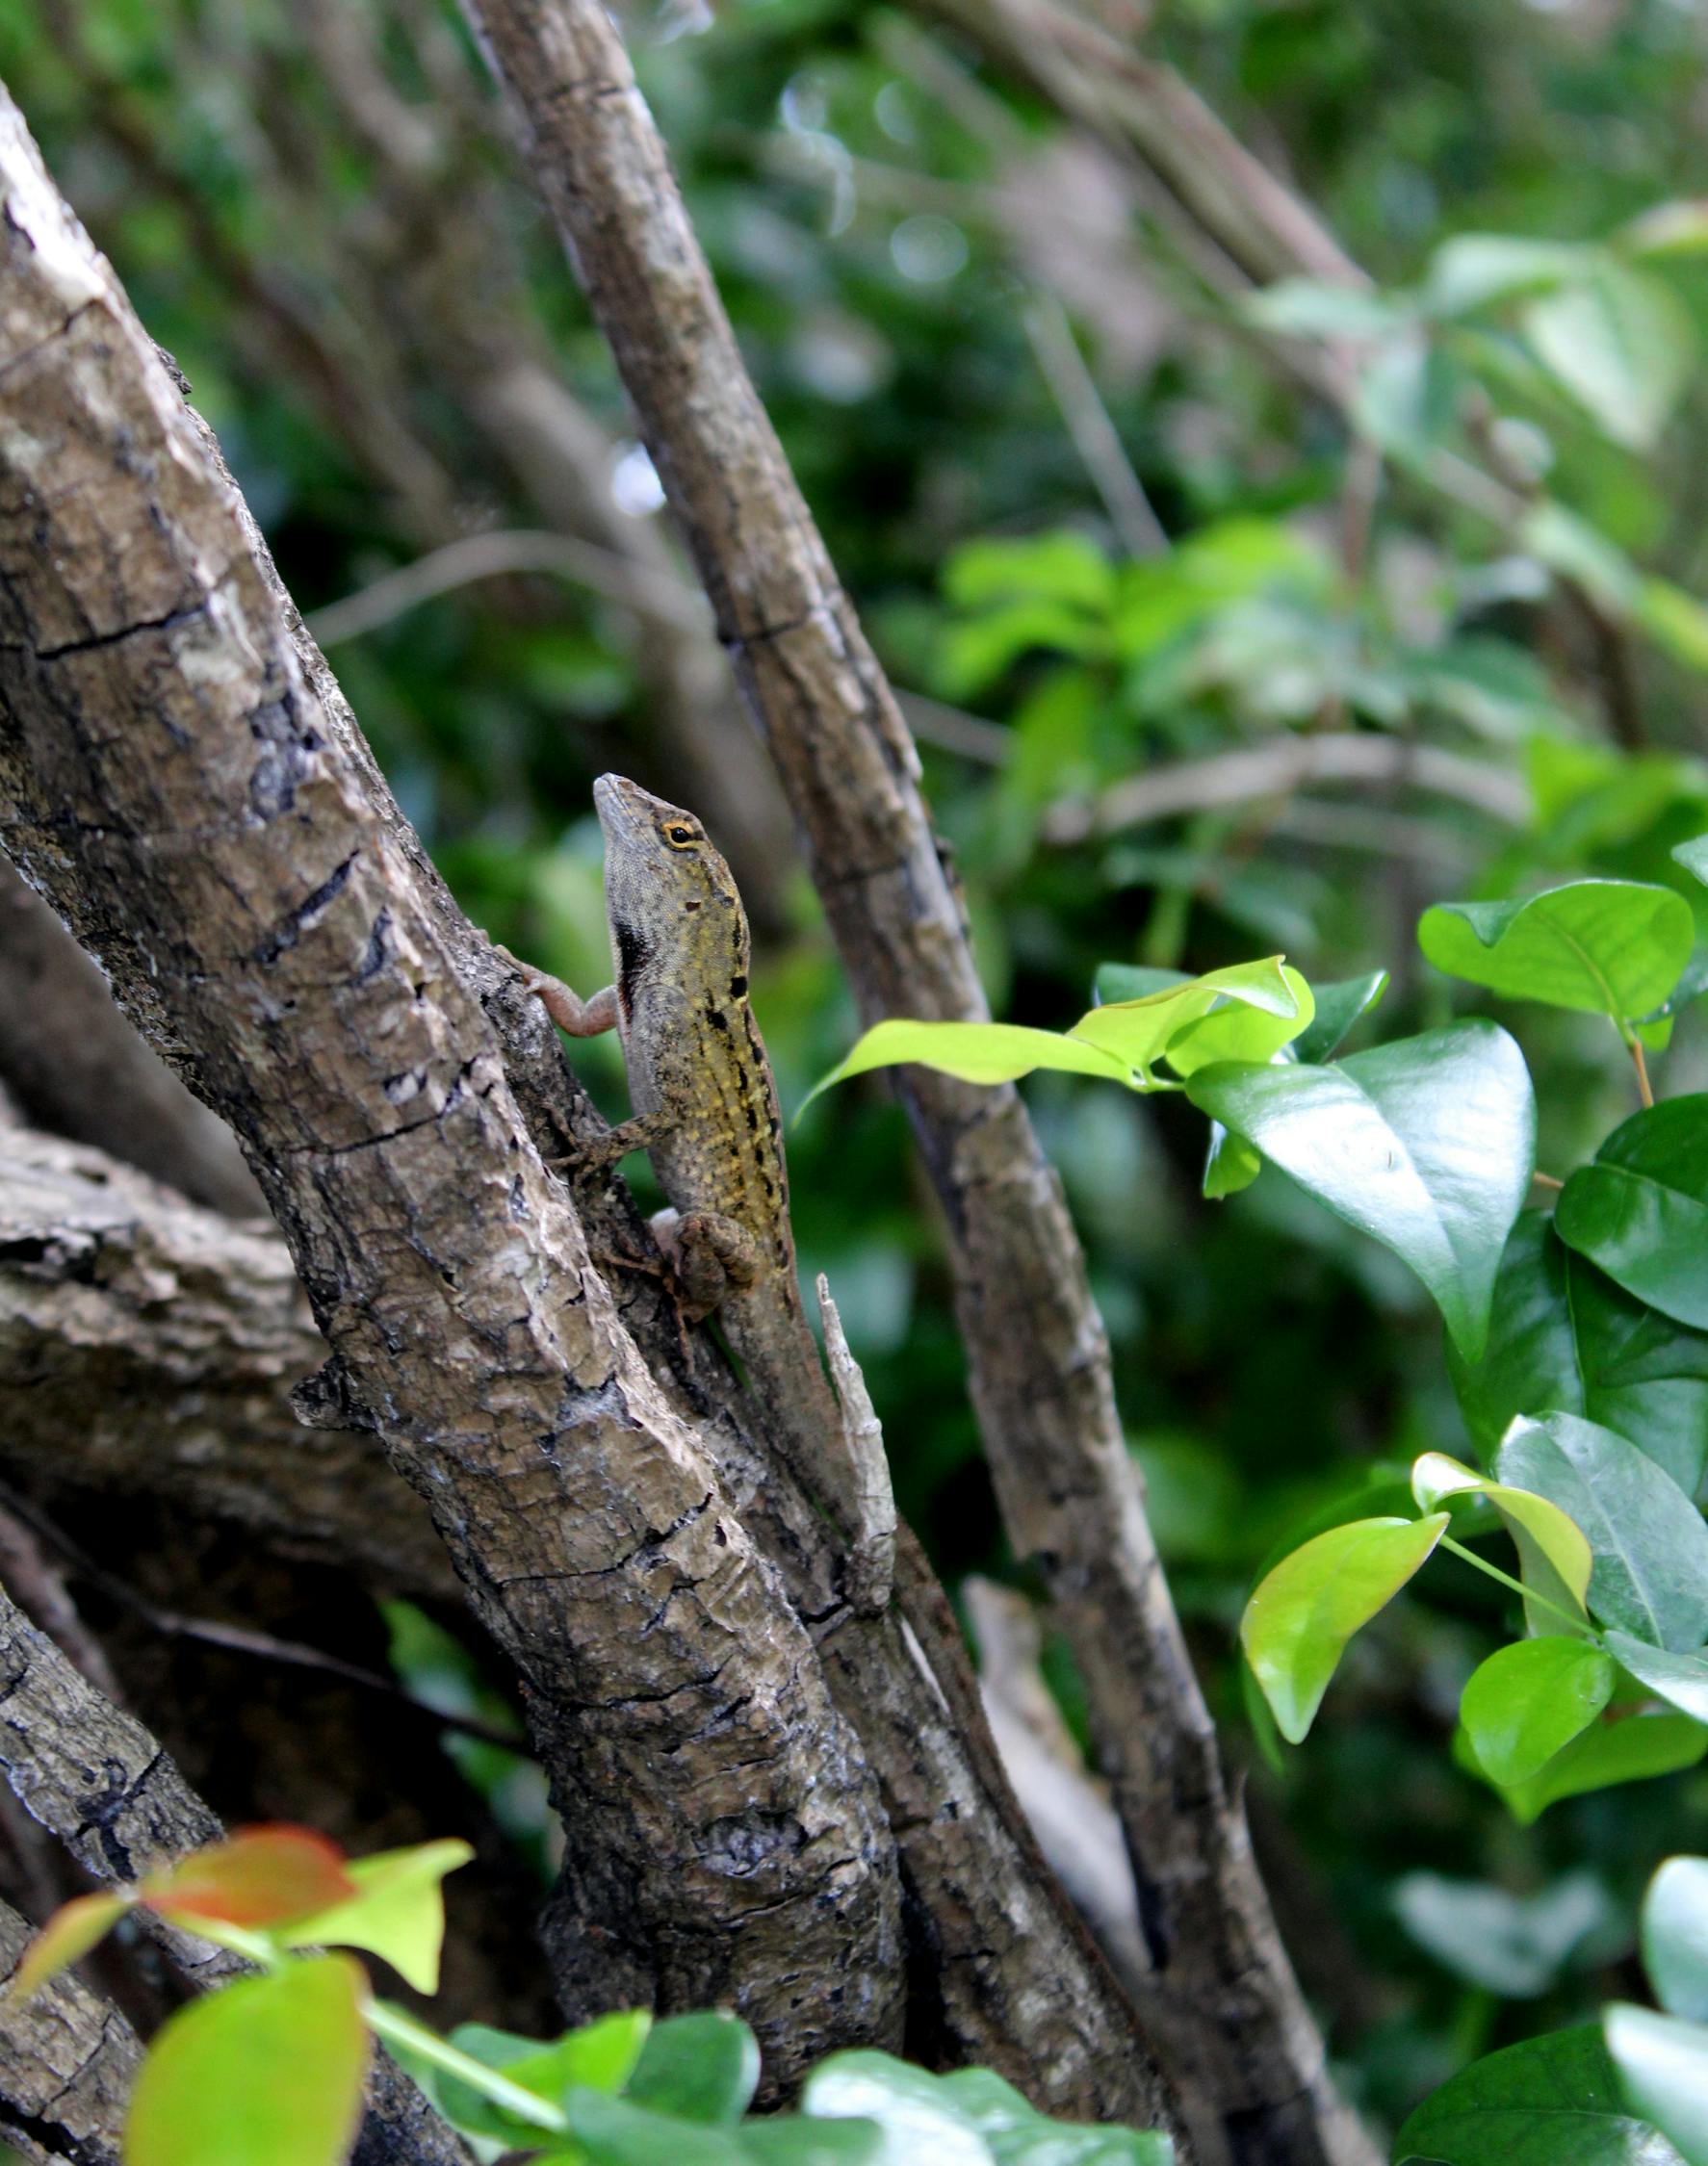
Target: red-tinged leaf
[(71, 1932), (264, 2073), (263, 1876)]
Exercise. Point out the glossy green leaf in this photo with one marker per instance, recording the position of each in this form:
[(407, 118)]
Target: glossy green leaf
[(1238, 1031), (397, 1911), (599, 2055), (798, 2139), (1230, 1163), (1553, 2101), (1694, 856), (1608, 948), (1564, 1335), (1680, 1680), (1650, 1543), (1675, 1937), (1299, 1617), (1529, 1700), (1426, 1143), (1641, 1211), (1663, 2064), (264, 2073), (972, 2118), (702, 2068), (1510, 1943), (1553, 1554), (1139, 1032), (1623, 344), (976, 1052), (1633, 1749), (68, 1935), (1339, 1006)]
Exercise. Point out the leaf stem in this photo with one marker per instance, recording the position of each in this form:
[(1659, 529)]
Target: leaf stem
[(1643, 1090), (1546, 1180), (402, 2029), (1578, 1624)]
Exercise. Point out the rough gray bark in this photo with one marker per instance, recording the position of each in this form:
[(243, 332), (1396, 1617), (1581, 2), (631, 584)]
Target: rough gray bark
[(148, 1345), (77, 1066), (66, 2064), (170, 775), (1223, 1999), (94, 1777), (178, 770)]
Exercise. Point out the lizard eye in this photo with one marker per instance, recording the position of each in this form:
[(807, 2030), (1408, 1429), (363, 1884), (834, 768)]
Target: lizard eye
[(680, 838)]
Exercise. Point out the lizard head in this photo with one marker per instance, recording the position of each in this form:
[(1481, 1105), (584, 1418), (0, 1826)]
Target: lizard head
[(672, 902)]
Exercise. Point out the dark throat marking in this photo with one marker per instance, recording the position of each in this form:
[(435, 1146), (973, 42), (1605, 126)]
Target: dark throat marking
[(633, 953)]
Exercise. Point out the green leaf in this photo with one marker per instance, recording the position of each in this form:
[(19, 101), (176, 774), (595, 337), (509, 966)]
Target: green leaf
[(1553, 1554), (1680, 1680), (1017, 2135), (1621, 344), (619, 2132), (972, 2118), (1229, 1165), (1610, 947), (1061, 566), (1133, 981), (1514, 1945), (397, 1911), (1298, 1619), (1237, 1031), (703, 2068), (976, 1052), (264, 2073), (1651, 1544), (1663, 2064), (1338, 1007), (599, 2055), (1426, 1143), (796, 2139), (1565, 1336), (1553, 2101), (1633, 1749), (1139, 1032), (68, 1935), (1694, 856), (1675, 1937), (1529, 1700), (1641, 1211), (1474, 269), (473, 2110), (1315, 308)]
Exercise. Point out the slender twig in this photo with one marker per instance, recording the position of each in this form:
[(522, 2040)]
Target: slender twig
[(1577, 1623), (1095, 435), (1644, 1089), (488, 556), (1546, 1180)]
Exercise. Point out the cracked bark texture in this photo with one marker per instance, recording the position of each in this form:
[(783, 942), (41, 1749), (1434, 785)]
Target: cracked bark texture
[(178, 772), (66, 2064), (1222, 1998), (147, 1345), (95, 1778), (173, 780)]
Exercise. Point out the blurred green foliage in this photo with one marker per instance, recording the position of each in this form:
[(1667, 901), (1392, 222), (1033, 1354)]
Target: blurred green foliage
[(315, 210)]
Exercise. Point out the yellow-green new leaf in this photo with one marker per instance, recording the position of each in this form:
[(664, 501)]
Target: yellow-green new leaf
[(976, 1052), (264, 2073), (1241, 1030), (69, 1933), (1139, 1032), (1554, 1556), (397, 1911), (1299, 1620)]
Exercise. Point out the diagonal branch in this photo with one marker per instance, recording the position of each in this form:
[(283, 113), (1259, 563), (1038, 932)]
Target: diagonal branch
[(1223, 1998)]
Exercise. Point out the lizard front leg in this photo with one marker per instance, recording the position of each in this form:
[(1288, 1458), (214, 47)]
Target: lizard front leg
[(582, 1018)]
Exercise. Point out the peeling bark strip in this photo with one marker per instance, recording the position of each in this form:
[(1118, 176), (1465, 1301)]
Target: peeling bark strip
[(1224, 2000), (190, 798), (94, 1777)]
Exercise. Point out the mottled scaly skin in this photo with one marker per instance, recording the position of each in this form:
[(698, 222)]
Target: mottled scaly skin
[(704, 1106)]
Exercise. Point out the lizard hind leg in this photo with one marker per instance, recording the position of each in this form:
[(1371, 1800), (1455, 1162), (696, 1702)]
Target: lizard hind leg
[(711, 1256)]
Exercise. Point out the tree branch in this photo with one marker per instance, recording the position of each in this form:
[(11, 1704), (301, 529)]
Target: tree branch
[(67, 2062), (1224, 2000)]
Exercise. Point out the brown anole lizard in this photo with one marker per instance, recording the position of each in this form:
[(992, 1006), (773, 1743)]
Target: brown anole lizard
[(703, 1105)]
